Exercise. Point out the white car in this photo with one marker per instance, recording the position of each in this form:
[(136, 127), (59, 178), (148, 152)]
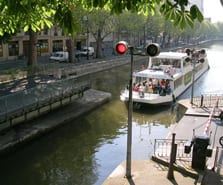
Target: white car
[(89, 50), (60, 56)]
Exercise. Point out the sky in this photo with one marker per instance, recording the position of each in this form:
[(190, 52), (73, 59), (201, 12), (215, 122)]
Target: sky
[(213, 9)]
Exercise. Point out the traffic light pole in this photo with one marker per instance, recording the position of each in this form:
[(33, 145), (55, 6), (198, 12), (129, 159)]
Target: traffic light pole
[(129, 132), (121, 48)]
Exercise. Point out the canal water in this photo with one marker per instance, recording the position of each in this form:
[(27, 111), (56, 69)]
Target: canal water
[(87, 150)]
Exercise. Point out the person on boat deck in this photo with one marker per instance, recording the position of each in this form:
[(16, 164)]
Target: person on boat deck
[(142, 88), (142, 67), (163, 83), (162, 91), (154, 82), (136, 87), (149, 86), (167, 88)]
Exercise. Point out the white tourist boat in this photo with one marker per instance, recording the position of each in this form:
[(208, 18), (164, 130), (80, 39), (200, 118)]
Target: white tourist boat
[(167, 76)]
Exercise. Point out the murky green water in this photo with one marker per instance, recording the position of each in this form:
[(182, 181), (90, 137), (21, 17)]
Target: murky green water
[(86, 151)]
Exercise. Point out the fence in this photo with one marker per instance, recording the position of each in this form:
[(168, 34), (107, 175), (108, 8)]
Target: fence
[(17, 107), (162, 149), (208, 100)]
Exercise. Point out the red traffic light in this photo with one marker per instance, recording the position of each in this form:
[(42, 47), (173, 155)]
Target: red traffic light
[(121, 47), (153, 49)]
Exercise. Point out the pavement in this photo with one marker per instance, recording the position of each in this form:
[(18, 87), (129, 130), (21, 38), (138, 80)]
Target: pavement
[(147, 172)]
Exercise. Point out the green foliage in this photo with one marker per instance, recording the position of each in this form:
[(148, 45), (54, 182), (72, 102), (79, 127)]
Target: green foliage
[(179, 15), (176, 10), (25, 14)]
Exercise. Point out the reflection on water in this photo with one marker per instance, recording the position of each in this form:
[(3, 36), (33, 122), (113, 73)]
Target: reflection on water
[(86, 151)]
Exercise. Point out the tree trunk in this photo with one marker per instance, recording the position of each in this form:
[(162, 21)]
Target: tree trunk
[(71, 52), (32, 55), (99, 53), (164, 40)]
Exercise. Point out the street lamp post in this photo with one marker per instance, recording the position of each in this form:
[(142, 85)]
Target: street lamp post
[(87, 43), (194, 58), (192, 87)]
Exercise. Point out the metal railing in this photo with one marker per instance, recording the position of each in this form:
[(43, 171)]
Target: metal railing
[(162, 149), (208, 100), (22, 102)]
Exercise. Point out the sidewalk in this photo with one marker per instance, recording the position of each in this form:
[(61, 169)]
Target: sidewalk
[(147, 172)]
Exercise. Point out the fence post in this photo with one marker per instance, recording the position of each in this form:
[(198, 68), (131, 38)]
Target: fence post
[(174, 153), (154, 147), (170, 175), (202, 99)]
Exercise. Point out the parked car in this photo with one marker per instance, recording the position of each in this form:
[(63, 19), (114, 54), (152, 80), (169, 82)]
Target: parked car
[(60, 56), (89, 50)]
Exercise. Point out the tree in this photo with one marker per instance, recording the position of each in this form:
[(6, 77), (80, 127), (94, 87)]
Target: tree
[(100, 25), (132, 25), (33, 16), (177, 10)]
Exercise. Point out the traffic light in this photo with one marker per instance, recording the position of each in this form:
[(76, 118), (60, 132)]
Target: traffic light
[(121, 47), (188, 51), (153, 49)]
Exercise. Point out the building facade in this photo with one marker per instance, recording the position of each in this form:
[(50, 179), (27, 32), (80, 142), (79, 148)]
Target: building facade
[(49, 41)]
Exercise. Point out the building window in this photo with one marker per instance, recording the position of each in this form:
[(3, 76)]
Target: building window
[(13, 48), (45, 32), (43, 46), (57, 45), (55, 31)]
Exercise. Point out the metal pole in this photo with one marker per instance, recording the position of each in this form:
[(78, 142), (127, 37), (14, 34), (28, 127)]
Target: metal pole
[(87, 41), (129, 133), (172, 155), (192, 88)]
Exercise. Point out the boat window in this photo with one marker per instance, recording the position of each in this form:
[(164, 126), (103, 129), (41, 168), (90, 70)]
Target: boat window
[(156, 62), (178, 82), (176, 63)]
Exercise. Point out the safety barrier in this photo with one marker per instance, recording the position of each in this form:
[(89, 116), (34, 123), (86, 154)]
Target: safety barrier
[(208, 100), (162, 148)]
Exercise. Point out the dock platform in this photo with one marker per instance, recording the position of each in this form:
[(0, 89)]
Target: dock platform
[(154, 171)]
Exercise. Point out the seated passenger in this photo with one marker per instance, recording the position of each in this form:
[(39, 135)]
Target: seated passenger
[(163, 83), (168, 89), (136, 87)]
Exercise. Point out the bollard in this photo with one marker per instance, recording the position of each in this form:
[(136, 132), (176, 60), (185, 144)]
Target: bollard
[(174, 153), (170, 175)]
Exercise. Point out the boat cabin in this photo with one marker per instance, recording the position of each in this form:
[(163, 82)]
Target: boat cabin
[(162, 70)]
